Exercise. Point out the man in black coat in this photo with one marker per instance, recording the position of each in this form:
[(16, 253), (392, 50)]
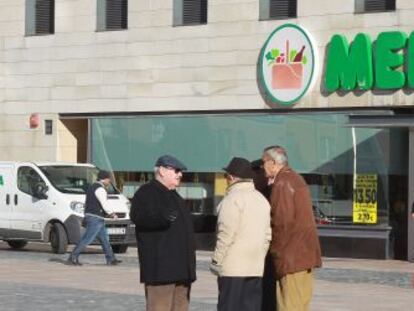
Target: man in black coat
[(165, 236)]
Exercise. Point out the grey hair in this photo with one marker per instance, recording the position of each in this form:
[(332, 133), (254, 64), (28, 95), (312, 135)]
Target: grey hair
[(156, 170), (278, 154)]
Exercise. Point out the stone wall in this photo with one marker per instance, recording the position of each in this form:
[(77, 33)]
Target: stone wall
[(154, 66)]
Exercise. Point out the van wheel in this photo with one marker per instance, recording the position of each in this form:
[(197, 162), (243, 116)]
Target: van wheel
[(120, 248), (58, 239), (17, 244)]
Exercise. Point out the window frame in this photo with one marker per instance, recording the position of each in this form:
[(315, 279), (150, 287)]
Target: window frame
[(101, 17), (48, 127), (360, 8), (30, 18), (178, 14), (264, 11)]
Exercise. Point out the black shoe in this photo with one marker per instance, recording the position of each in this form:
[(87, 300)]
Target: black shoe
[(114, 262), (71, 261)]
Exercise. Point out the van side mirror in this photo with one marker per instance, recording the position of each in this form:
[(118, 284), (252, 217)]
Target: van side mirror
[(39, 191)]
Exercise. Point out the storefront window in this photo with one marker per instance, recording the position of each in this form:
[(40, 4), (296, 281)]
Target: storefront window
[(333, 157)]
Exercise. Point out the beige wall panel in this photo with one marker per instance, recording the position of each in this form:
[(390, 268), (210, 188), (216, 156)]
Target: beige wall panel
[(324, 7), (20, 143), (13, 42), (67, 144), (11, 28), (28, 154), (405, 17), (231, 12), (143, 5), (405, 4), (89, 78), (88, 92), (154, 66), (178, 75), (114, 91), (140, 76), (67, 154), (40, 94), (114, 77)]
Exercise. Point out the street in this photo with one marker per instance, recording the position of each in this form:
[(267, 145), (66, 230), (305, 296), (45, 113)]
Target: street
[(36, 279)]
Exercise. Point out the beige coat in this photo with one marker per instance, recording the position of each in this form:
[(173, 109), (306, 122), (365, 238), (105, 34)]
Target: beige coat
[(243, 231)]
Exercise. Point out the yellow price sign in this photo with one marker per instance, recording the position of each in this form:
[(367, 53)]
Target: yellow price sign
[(220, 185), (365, 199)]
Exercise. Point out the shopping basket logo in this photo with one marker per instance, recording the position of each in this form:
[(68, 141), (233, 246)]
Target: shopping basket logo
[(287, 64)]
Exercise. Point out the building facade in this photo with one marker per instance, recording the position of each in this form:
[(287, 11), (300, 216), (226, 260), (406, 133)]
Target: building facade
[(119, 82)]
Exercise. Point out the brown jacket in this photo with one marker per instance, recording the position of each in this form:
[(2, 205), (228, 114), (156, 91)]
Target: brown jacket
[(295, 243)]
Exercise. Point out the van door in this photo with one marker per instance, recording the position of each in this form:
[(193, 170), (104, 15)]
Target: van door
[(7, 182), (27, 213)]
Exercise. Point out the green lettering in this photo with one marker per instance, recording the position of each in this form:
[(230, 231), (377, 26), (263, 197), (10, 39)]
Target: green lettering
[(388, 58), (349, 67), (410, 61)]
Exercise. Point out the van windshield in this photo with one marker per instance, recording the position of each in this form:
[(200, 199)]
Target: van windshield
[(73, 179)]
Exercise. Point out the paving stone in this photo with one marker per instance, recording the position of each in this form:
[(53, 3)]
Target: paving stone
[(35, 279)]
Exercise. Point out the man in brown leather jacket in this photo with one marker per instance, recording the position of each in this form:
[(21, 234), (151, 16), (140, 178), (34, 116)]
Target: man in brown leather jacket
[(295, 244)]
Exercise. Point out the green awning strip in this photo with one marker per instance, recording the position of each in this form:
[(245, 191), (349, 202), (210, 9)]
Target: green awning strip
[(205, 143)]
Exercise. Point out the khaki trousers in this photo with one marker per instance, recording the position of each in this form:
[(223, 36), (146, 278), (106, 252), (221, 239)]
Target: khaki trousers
[(169, 297), (294, 291)]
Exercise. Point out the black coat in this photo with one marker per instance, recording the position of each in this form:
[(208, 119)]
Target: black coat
[(165, 235)]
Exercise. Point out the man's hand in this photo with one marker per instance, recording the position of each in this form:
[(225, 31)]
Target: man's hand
[(215, 268)]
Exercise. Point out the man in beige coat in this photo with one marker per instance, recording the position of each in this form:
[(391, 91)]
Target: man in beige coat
[(243, 236)]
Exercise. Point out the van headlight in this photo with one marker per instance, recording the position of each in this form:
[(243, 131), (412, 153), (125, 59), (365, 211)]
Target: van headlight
[(128, 204), (77, 207)]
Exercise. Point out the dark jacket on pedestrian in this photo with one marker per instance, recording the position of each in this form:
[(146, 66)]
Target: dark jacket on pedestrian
[(92, 204), (295, 243), (165, 235)]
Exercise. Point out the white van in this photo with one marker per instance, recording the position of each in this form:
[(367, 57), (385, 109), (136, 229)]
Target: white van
[(45, 202)]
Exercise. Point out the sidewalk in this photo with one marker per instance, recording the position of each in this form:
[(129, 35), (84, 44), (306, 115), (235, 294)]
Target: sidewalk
[(356, 284), (33, 278), (360, 284)]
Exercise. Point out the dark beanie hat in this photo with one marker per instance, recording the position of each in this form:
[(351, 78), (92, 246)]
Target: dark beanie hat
[(103, 175)]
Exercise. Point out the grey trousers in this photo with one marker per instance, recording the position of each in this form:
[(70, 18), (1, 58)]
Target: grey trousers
[(239, 293), (169, 297)]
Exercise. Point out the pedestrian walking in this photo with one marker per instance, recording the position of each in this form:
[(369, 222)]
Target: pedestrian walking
[(165, 237), (243, 236), (295, 244), (96, 209)]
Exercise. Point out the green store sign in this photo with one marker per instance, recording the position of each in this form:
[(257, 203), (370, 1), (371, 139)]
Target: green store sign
[(288, 62), (361, 65)]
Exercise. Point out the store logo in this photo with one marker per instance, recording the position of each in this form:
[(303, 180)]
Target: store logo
[(287, 64)]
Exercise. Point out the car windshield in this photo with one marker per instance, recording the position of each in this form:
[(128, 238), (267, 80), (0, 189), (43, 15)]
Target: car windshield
[(73, 179)]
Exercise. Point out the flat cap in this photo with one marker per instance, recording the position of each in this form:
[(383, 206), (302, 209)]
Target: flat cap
[(169, 160)]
